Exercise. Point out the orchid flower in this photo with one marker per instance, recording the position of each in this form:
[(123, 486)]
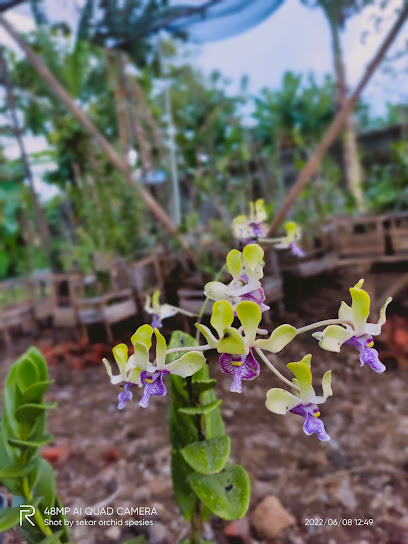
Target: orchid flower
[(236, 345), (290, 241), (161, 311), (356, 332), (303, 401), (251, 227), (246, 269), (138, 370)]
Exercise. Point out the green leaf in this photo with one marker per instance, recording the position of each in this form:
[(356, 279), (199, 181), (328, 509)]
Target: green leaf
[(226, 494), (27, 374), (17, 470), (35, 393), (52, 539), (28, 413), (200, 410), (9, 517), (201, 386), (37, 357), (18, 443), (46, 485), (208, 456)]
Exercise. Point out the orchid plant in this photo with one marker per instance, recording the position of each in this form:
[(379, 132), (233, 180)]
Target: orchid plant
[(202, 479)]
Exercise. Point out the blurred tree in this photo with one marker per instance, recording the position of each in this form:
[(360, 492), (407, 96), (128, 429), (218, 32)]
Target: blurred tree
[(337, 12)]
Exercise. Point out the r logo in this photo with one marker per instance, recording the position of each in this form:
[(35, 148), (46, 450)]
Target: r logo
[(26, 512)]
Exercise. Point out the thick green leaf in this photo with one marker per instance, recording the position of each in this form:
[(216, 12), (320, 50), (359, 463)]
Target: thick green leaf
[(185, 497), (28, 413), (208, 456), (17, 470), (199, 387), (200, 410), (35, 393), (46, 485), (38, 358), (9, 517), (27, 374), (226, 494), (17, 443), (52, 539)]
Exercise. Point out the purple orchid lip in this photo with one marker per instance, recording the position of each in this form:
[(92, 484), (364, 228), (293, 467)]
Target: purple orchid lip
[(296, 250), (312, 422), (153, 385), (156, 322), (257, 296), (240, 367), (368, 355), (125, 395), (258, 229)]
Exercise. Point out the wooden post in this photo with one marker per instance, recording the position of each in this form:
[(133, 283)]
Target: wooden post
[(108, 149), (336, 125)]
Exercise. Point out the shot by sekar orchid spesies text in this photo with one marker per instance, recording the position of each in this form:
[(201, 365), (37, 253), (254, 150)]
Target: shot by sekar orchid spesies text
[(203, 480)]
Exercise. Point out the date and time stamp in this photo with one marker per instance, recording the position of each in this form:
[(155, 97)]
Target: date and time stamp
[(338, 522)]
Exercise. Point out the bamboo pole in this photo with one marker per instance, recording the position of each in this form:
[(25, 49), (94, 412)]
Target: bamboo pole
[(337, 124), (108, 149)]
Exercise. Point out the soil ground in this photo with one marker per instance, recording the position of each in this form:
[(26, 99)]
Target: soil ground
[(121, 458)]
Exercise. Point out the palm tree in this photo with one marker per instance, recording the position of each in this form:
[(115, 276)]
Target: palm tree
[(336, 13)]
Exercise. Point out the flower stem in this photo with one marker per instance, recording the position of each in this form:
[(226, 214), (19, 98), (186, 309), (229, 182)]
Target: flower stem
[(203, 307), (28, 496), (324, 324), (274, 370), (188, 348)]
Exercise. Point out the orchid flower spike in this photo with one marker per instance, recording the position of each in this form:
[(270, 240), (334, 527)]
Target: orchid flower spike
[(138, 370), (161, 311), (356, 332), (249, 228), (235, 346), (303, 401), (246, 269)]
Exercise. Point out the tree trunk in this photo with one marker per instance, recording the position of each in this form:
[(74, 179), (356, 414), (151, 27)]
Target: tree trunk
[(351, 162), (39, 212)]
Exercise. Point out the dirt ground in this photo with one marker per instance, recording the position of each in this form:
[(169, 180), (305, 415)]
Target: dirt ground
[(121, 459)]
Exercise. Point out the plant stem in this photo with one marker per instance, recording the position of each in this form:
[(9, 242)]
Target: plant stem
[(188, 348), (203, 307), (274, 370), (323, 324), (28, 496)]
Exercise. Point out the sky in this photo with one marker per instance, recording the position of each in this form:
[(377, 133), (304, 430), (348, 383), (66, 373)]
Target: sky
[(293, 38)]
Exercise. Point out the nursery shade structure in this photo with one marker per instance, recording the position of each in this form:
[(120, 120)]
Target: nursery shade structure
[(122, 23)]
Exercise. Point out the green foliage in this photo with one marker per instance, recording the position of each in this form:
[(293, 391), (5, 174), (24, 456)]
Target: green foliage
[(23, 471), (200, 448)]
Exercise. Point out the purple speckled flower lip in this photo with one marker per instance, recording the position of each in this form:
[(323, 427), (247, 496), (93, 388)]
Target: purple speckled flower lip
[(296, 250), (257, 296), (312, 422), (125, 395), (156, 322), (368, 355), (240, 367), (258, 230), (153, 385)]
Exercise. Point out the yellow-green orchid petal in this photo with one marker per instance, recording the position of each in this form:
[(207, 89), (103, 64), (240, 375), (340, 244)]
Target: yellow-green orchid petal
[(141, 355), (156, 301), (232, 342), (326, 384), (333, 337), (234, 263), (120, 353), (304, 377), (148, 304), (222, 316), (374, 329), (114, 379), (134, 376), (359, 284), (345, 312), (360, 308), (215, 290), (241, 227), (307, 360), (250, 315), (161, 348), (143, 335), (208, 335), (253, 255), (187, 365), (279, 338), (292, 231), (280, 401), (260, 212)]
